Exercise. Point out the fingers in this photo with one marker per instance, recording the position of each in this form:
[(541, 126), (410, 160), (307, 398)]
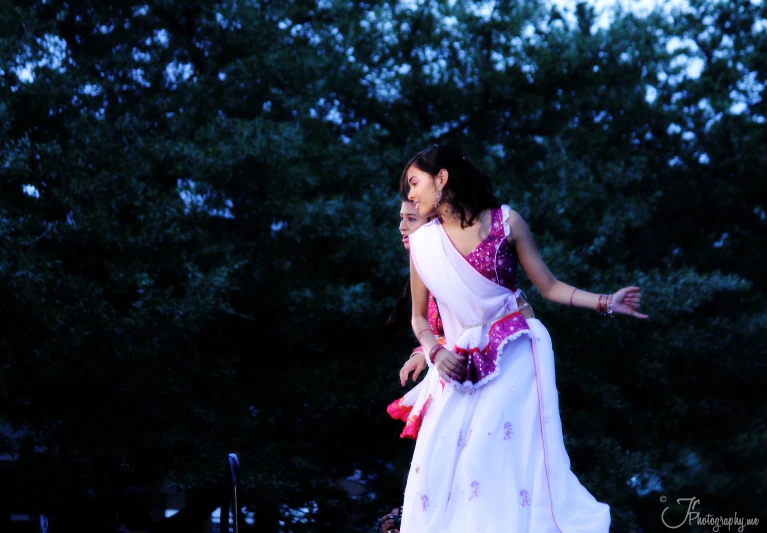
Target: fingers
[(631, 292), (629, 307), (388, 525), (452, 367), (460, 363), (415, 365), (630, 310), (460, 371), (456, 365), (639, 315), (457, 370), (631, 298), (457, 359), (445, 371), (449, 375)]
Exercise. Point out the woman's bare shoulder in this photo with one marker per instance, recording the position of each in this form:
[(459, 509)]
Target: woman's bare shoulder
[(517, 225)]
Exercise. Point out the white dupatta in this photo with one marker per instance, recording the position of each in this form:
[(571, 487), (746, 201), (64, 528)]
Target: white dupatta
[(479, 316)]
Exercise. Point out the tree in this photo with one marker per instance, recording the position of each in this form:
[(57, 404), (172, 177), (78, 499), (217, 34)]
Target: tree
[(198, 243)]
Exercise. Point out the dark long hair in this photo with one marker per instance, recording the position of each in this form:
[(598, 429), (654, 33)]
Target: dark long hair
[(399, 306), (467, 188)]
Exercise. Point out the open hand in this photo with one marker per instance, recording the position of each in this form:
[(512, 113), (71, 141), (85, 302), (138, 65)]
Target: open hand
[(626, 302), (415, 364), (451, 366)]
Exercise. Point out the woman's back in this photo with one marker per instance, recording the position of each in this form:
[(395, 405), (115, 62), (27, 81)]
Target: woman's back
[(494, 257)]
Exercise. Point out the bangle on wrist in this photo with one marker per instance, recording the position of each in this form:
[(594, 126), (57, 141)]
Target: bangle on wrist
[(421, 332), (604, 307), (434, 349), (417, 351), (571, 297)]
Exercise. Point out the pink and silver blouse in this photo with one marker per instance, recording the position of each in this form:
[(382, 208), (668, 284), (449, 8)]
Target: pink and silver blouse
[(494, 257), (497, 261)]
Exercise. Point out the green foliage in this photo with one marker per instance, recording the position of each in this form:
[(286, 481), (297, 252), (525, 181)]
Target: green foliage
[(212, 248)]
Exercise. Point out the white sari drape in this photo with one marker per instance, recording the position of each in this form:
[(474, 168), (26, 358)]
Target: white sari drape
[(489, 455), (479, 316)]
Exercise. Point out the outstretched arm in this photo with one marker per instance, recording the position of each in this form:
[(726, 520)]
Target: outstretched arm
[(626, 301)]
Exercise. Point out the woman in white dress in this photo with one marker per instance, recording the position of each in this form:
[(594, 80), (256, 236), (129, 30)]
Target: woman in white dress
[(489, 453), (401, 409)]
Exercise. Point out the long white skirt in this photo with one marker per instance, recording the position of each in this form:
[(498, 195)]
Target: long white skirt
[(494, 460)]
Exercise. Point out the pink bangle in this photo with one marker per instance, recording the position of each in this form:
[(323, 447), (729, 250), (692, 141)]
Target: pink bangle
[(571, 297), (434, 349)]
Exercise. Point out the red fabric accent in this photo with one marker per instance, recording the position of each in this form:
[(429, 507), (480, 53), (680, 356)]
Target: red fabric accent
[(413, 424), (398, 410)]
